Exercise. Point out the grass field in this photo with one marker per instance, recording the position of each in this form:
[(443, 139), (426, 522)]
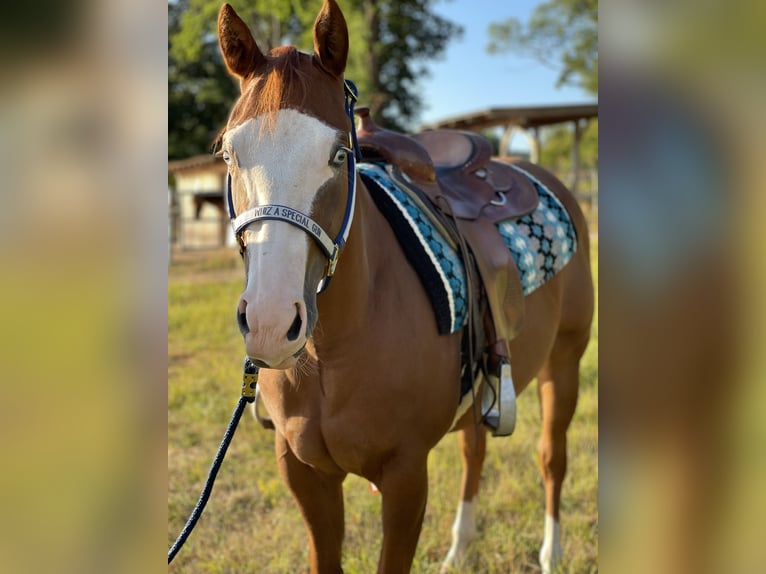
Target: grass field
[(251, 524)]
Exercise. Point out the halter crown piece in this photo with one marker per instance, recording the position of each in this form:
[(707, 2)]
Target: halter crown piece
[(330, 248)]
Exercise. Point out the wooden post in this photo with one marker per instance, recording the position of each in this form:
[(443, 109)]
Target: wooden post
[(576, 156), (533, 138), (505, 140), (533, 134)]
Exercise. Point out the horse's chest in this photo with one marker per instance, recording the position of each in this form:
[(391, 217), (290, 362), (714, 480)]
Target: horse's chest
[(296, 417), (307, 443), (324, 448), (344, 422)]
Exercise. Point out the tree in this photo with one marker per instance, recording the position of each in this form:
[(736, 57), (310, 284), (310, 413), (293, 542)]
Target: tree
[(200, 92), (562, 34), (391, 43), (556, 147), (401, 36)]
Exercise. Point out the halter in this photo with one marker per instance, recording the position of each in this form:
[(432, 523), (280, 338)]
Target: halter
[(330, 248)]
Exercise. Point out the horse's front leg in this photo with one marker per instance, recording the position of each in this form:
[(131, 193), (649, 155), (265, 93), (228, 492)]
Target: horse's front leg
[(320, 499), (404, 487)]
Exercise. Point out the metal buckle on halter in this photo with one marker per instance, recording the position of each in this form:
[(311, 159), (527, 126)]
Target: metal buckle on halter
[(332, 262), (351, 90)]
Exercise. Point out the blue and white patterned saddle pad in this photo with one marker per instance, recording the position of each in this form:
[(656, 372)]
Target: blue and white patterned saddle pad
[(541, 243)]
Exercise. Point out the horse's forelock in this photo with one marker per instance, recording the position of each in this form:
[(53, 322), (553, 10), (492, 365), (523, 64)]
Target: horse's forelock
[(283, 83)]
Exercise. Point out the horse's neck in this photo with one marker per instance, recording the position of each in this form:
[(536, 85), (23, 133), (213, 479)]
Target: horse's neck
[(345, 307)]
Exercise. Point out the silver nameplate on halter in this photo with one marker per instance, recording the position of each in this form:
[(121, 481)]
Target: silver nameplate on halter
[(498, 402)]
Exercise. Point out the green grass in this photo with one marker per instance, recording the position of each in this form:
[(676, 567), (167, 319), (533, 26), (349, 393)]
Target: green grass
[(251, 523)]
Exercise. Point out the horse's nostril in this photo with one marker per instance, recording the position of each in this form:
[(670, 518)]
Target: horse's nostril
[(242, 322), (295, 328)]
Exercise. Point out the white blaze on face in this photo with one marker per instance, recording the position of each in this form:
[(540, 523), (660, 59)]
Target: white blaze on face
[(284, 164)]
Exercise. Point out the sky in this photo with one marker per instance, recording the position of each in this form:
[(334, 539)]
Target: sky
[(468, 79)]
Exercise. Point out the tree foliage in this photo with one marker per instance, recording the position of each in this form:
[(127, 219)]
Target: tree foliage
[(562, 34), (391, 43), (401, 36), (200, 92), (556, 146)]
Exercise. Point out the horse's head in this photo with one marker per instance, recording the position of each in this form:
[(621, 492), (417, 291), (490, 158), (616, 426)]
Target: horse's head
[(287, 148)]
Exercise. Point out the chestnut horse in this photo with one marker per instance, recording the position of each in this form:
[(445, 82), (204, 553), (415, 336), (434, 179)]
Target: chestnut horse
[(356, 379)]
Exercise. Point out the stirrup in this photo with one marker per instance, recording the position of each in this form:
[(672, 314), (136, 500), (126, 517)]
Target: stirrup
[(498, 402)]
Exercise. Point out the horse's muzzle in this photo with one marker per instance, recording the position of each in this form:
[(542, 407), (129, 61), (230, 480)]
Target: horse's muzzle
[(274, 335)]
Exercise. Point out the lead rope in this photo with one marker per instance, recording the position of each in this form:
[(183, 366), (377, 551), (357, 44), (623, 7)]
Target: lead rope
[(249, 384)]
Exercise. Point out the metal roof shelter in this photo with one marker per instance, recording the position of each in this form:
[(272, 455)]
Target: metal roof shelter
[(523, 117), (528, 120)]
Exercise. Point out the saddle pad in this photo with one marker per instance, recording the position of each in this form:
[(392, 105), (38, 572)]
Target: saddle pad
[(541, 243)]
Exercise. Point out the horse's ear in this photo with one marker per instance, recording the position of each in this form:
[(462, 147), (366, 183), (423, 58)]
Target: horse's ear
[(240, 52), (331, 38)]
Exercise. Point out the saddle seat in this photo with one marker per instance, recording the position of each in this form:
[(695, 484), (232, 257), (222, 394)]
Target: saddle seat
[(454, 170)]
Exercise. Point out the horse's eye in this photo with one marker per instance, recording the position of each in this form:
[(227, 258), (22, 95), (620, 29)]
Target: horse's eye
[(339, 157), (226, 158)]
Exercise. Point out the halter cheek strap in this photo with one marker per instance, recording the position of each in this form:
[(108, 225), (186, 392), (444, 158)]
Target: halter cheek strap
[(330, 248)]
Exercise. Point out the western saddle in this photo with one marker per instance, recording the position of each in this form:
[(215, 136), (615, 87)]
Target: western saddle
[(466, 193)]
